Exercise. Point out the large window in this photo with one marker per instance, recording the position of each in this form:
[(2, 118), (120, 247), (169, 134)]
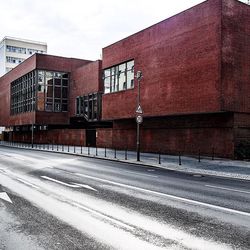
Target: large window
[(89, 106), (40, 90), (52, 91), (119, 77), (23, 94)]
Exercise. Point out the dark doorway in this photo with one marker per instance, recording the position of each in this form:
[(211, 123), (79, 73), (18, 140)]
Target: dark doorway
[(91, 137)]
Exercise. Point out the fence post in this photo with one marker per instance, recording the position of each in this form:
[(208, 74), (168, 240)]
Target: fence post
[(179, 158)]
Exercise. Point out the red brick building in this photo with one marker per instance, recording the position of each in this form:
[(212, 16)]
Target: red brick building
[(194, 91)]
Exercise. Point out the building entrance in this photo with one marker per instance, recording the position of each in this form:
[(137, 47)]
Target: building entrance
[(91, 137)]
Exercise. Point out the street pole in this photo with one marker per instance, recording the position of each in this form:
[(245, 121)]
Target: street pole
[(138, 76)]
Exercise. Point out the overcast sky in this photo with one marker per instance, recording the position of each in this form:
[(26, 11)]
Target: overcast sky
[(81, 28)]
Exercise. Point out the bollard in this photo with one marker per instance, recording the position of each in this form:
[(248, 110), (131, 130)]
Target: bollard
[(48, 147), (68, 148), (52, 147), (81, 149), (63, 148), (88, 151), (57, 147), (105, 152), (199, 157), (96, 153), (115, 153), (159, 158), (212, 153), (74, 149), (179, 158), (126, 154)]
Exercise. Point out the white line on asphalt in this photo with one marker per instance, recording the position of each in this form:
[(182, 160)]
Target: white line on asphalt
[(135, 173), (60, 182), (103, 216), (228, 189), (73, 185), (27, 183), (167, 195), (85, 186)]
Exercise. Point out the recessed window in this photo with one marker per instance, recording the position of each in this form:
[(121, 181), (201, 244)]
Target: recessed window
[(119, 77), (89, 106)]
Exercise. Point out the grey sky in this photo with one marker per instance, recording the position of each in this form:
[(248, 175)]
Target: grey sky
[(81, 28)]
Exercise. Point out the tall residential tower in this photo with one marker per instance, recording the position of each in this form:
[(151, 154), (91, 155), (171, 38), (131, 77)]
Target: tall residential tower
[(14, 51)]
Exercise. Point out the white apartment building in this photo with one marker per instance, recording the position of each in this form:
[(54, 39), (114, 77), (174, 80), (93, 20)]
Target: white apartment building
[(14, 51)]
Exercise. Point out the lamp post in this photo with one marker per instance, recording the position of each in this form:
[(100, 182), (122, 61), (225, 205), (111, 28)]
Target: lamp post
[(32, 126), (139, 113)]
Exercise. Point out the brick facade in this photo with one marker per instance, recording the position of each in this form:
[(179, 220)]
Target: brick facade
[(194, 91)]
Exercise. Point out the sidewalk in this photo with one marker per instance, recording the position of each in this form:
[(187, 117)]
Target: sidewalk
[(217, 167)]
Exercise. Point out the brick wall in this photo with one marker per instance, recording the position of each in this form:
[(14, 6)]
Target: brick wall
[(180, 60), (84, 80), (236, 56)]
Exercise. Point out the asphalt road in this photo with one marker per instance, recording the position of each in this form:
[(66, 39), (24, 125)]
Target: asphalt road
[(57, 201)]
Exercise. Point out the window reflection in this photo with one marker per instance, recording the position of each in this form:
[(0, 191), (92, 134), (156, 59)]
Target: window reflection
[(40, 90), (120, 77)]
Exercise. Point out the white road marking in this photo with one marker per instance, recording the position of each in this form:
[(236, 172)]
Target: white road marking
[(141, 174), (85, 186), (228, 189), (150, 170), (115, 221), (4, 196), (60, 182), (28, 183), (73, 185), (168, 195)]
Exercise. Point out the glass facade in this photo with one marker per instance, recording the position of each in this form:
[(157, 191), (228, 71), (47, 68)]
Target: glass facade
[(23, 94), (119, 77), (40, 90), (89, 106)]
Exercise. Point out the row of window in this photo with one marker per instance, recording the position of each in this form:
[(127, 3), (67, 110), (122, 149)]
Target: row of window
[(118, 78), (16, 60), (89, 106), (21, 50), (28, 93), (48, 91)]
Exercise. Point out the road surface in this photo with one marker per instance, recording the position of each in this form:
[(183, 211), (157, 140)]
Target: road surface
[(57, 201)]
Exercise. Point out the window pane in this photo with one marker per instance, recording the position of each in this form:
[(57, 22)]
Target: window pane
[(130, 79), (107, 85), (57, 92)]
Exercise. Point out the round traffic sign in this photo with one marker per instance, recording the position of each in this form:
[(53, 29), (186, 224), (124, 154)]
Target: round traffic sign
[(139, 119)]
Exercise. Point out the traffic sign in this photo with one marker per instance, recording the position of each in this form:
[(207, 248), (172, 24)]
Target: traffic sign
[(139, 119), (139, 110)]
